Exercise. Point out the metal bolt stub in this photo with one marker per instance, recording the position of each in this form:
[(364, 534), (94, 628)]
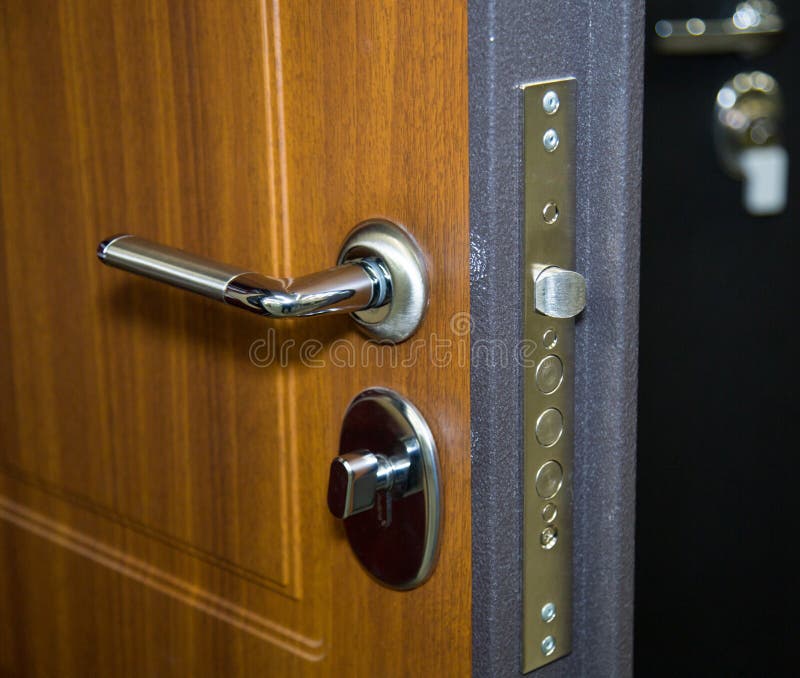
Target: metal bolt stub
[(550, 102), (558, 293), (548, 612), (548, 646), (550, 140)]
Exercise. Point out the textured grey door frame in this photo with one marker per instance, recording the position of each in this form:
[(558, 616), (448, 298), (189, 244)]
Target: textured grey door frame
[(512, 42)]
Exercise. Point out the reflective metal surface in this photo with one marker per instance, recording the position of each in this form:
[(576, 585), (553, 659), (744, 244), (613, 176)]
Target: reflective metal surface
[(381, 278), (751, 29), (356, 478), (405, 263), (342, 289), (385, 485), (558, 293), (748, 134), (357, 285), (167, 264), (553, 295)]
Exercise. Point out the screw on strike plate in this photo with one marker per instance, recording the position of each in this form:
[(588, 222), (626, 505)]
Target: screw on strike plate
[(550, 102), (550, 140), (549, 537), (548, 612), (548, 646)]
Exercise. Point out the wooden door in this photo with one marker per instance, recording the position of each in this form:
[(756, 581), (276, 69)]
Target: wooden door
[(163, 485)]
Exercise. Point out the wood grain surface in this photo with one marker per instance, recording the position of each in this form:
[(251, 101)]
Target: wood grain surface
[(162, 483)]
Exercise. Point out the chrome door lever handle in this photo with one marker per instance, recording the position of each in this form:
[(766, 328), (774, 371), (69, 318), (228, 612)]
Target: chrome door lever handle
[(380, 271), (354, 286)]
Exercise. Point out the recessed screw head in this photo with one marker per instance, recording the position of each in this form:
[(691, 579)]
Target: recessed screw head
[(548, 612), (550, 339), (549, 537), (548, 646), (549, 512), (550, 213), (550, 102), (550, 140)]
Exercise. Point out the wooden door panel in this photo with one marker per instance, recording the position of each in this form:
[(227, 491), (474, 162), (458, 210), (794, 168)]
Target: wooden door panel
[(121, 372), (162, 487)]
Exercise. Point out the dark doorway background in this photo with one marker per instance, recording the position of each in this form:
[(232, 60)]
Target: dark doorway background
[(716, 570)]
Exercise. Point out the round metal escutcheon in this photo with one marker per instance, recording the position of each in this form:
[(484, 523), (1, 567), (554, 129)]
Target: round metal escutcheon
[(397, 320), (396, 541)]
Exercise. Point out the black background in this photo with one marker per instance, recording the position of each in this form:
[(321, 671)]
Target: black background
[(717, 573)]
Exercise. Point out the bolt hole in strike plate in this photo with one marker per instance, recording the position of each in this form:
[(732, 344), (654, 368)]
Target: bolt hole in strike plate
[(553, 295), (385, 486)]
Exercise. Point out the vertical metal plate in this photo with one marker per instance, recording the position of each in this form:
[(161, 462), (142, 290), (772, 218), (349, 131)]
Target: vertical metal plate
[(548, 375)]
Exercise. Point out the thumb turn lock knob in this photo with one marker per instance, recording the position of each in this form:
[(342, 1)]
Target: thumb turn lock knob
[(357, 477)]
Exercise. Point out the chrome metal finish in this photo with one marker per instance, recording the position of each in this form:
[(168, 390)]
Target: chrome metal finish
[(558, 293), (353, 483), (549, 537), (168, 265), (548, 646), (550, 140), (748, 134), (405, 264), (342, 289), (357, 477), (751, 29), (354, 286), (553, 295), (381, 279), (548, 612), (385, 485), (550, 102), (550, 213)]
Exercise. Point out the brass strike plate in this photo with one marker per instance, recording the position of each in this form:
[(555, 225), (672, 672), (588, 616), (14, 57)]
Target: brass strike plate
[(548, 375)]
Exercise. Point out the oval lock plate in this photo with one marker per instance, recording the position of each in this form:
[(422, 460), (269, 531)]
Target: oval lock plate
[(385, 486)]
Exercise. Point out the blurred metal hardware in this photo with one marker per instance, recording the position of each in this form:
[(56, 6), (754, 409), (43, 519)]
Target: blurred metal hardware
[(751, 29), (748, 135)]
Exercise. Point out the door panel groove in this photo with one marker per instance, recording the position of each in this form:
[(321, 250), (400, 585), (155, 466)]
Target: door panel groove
[(87, 504), (17, 514)]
